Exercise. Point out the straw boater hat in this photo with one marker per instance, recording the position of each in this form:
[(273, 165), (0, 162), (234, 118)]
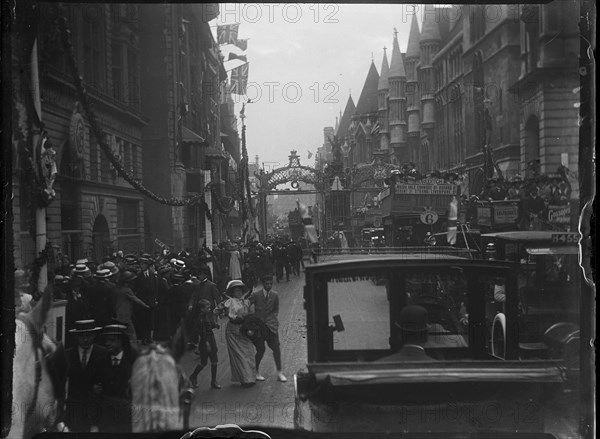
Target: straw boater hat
[(102, 273), (131, 259), (82, 261), (179, 264), (115, 328), (85, 327), (82, 270), (111, 266)]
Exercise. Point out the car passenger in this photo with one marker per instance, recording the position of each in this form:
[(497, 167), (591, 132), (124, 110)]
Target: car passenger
[(413, 335)]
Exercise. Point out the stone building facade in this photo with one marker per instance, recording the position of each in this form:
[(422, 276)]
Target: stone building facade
[(95, 211)]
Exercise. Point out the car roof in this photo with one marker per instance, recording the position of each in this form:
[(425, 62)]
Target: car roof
[(341, 260)]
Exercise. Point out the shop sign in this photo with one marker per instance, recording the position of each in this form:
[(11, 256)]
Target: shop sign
[(484, 216), (425, 189), (559, 214), (506, 213), (429, 217)]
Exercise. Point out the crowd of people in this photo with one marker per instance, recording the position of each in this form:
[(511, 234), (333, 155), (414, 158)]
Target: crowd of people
[(128, 302)]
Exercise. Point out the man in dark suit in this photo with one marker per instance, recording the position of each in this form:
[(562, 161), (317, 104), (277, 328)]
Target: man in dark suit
[(413, 335), (84, 361), (147, 287), (112, 379)]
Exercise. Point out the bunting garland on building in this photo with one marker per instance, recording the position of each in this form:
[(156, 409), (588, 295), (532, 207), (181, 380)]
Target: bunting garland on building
[(106, 149)]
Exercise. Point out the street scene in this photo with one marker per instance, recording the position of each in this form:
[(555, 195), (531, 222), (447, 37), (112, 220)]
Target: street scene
[(302, 218)]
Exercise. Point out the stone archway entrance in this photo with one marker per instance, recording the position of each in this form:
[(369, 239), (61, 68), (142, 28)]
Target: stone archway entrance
[(100, 238)]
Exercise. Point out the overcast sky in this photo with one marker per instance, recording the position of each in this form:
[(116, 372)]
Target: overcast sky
[(315, 54)]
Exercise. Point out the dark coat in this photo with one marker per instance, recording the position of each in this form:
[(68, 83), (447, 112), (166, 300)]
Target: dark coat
[(116, 394), (81, 403), (409, 353), (81, 381)]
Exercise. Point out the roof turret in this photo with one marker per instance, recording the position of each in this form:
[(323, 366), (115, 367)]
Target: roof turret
[(385, 68), (412, 50), (430, 29), (397, 66), (368, 102)]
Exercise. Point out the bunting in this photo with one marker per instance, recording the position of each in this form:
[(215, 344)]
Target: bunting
[(239, 79), (233, 56), (228, 33), (242, 44), (309, 227)]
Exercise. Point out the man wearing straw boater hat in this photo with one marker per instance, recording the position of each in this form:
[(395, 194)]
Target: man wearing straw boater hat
[(84, 359), (113, 379)]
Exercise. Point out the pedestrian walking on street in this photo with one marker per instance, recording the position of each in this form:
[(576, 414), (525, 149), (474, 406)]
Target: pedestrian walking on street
[(206, 345), (266, 308), (123, 300), (83, 359), (112, 383), (240, 348)]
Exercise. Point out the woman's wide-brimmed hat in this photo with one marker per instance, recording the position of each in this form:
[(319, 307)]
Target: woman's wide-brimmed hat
[(235, 283), (102, 273), (85, 327), (82, 270), (128, 276)]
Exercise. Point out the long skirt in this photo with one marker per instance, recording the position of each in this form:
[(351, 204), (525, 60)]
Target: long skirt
[(241, 354)]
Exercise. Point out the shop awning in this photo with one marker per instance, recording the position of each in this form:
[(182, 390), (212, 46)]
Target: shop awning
[(188, 135)]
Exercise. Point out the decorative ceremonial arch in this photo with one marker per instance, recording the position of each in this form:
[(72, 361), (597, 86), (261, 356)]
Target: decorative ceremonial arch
[(368, 178), (293, 173)]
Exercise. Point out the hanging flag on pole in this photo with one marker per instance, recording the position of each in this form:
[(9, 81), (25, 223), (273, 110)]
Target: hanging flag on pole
[(242, 44), (309, 227), (228, 33), (239, 79), (452, 220), (240, 57)]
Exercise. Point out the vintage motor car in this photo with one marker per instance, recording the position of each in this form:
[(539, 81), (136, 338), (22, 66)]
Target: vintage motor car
[(354, 382)]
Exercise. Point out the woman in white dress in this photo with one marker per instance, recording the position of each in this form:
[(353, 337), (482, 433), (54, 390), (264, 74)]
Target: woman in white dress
[(241, 349)]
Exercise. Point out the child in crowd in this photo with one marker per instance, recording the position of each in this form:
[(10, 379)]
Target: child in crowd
[(207, 345)]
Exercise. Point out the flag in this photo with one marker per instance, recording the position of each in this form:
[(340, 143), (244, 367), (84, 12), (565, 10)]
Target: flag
[(228, 33), (376, 128), (452, 219), (242, 44), (309, 227), (240, 57), (239, 79)]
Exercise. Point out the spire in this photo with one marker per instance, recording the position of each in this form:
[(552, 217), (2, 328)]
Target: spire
[(396, 66), (430, 29), (385, 68), (367, 102), (345, 119), (413, 51), (337, 124)]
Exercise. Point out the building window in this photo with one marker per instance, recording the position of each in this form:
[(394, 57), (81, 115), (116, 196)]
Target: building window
[(127, 217), (94, 162), (133, 80), (117, 72), (92, 48)]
